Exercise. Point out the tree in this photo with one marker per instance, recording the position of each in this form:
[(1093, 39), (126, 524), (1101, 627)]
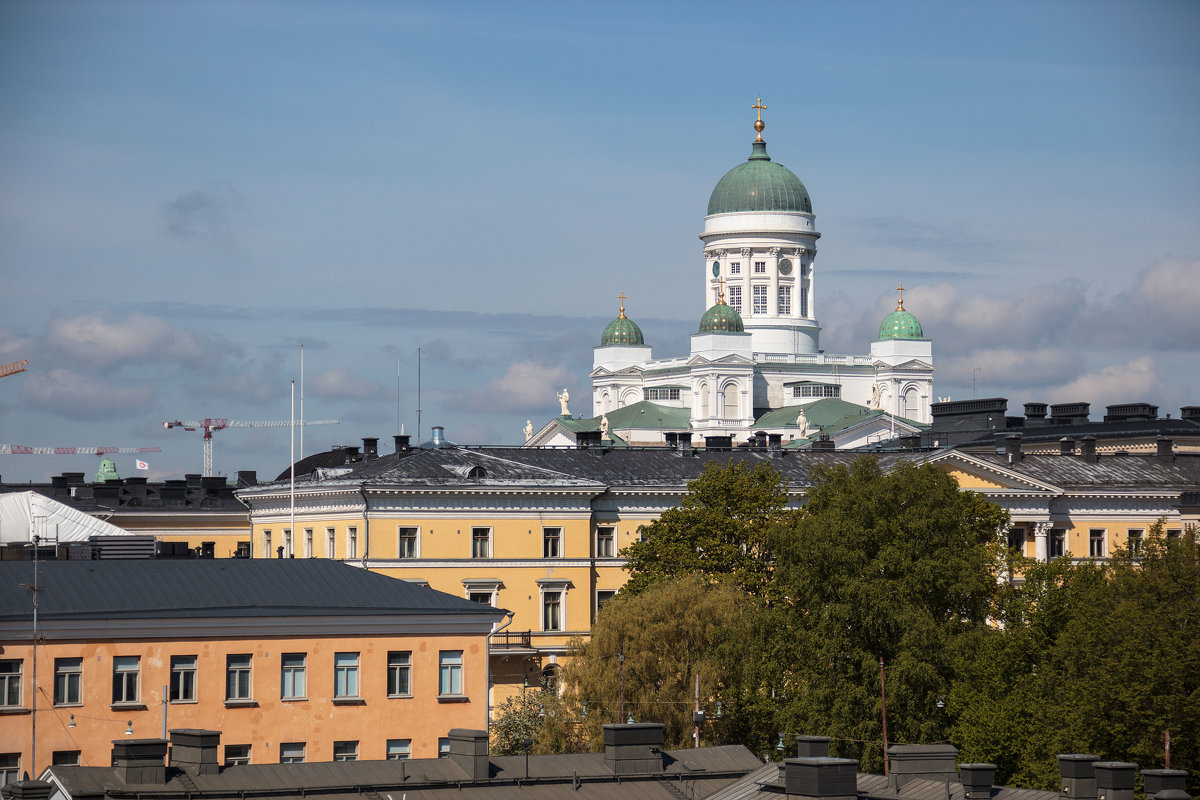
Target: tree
[(718, 530), (900, 566), (539, 716), (645, 651)]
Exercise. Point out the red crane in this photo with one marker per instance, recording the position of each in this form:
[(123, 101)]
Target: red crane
[(208, 425)]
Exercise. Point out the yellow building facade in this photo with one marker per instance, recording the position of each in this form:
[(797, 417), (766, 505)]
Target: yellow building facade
[(290, 661)]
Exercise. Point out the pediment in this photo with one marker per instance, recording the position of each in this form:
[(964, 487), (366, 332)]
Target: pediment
[(973, 473), (724, 361)]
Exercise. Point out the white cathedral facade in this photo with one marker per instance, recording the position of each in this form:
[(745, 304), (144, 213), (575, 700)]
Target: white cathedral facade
[(756, 361)]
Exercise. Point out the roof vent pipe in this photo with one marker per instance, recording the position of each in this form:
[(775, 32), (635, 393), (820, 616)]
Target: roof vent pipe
[(821, 777), (1166, 448), (1114, 780), (1087, 449), (977, 780), (438, 433), (1012, 447)]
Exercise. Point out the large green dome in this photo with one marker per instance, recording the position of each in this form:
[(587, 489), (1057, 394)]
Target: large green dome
[(721, 319), (759, 185), (900, 325), (622, 330)]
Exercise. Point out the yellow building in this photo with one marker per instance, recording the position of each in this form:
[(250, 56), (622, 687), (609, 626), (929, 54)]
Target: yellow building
[(538, 531), (290, 660)]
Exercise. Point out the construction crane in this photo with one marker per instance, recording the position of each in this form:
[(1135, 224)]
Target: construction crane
[(209, 425), (25, 450), (13, 367)]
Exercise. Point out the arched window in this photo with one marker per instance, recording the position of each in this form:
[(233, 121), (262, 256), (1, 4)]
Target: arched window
[(912, 401), (704, 401), (605, 401), (730, 404), (550, 678)]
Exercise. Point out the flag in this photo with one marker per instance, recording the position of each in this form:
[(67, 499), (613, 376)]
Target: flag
[(142, 464)]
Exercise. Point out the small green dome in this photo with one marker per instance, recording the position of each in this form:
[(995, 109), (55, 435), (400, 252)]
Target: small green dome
[(759, 185), (721, 319), (622, 330), (107, 471), (900, 325)]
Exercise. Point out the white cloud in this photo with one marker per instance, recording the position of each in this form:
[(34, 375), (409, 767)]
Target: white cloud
[(342, 384), (1137, 380), (82, 397), (12, 346), (97, 340), (1011, 366), (525, 388), (1163, 305)]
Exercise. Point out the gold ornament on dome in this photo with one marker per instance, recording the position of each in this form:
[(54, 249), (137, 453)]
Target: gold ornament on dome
[(759, 124)]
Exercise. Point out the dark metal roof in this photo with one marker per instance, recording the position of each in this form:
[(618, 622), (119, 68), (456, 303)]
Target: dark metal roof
[(585, 776), (1109, 471), (208, 588), (1118, 429), (767, 782)]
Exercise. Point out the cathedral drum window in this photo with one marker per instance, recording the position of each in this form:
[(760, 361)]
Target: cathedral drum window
[(760, 299), (735, 298)]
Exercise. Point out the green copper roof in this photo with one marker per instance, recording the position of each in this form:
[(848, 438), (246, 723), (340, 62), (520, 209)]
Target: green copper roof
[(107, 471), (759, 185), (622, 330), (721, 319), (900, 325)]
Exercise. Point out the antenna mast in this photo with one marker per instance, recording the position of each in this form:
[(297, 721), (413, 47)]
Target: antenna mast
[(301, 404), (418, 395)]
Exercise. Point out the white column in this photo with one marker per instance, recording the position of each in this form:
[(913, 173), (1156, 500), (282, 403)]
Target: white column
[(747, 308), (1041, 534), (812, 284), (773, 291)]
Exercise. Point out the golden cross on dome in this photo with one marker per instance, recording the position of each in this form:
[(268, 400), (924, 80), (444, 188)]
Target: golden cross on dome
[(621, 297), (759, 124), (900, 304), (721, 290)]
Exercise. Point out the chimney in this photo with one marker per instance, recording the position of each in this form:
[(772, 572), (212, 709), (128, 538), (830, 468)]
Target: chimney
[(350, 454), (775, 443), (195, 751), (1012, 447), (822, 442), (821, 778), (812, 746), (672, 438), (401, 440), (438, 432), (977, 780), (760, 439), (1070, 413), (932, 762), (193, 480), (1166, 448), (140, 760), (718, 442), (1066, 446), (685, 443), (1077, 776), (370, 447), (247, 477), (469, 750), (1187, 412), (1164, 780), (1035, 415), (634, 749), (1114, 780), (1087, 449), (34, 790)]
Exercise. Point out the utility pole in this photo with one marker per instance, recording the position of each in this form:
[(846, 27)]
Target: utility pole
[(620, 683), (696, 716)]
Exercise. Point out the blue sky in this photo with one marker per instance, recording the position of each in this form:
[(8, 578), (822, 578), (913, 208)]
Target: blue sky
[(189, 191)]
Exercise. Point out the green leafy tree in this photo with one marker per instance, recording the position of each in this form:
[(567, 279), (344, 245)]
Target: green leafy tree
[(539, 716), (720, 529)]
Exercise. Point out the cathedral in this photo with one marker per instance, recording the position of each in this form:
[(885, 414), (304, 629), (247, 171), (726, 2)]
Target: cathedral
[(756, 362)]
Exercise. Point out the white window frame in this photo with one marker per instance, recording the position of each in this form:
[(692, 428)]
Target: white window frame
[(785, 299), (287, 543), (308, 543), (1059, 534), (606, 533), (735, 268), (450, 673), (399, 749), (330, 543), (266, 542), (349, 750), (346, 675), (487, 545), (237, 755), (399, 661), (759, 299), (68, 676), (351, 542), (401, 538), (185, 690), (1100, 535), (561, 587), (552, 543), (127, 666), (11, 680), (292, 752), (239, 677), (760, 268), (1135, 540), (735, 298), (293, 678)]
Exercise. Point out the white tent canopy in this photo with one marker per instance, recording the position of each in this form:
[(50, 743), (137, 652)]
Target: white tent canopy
[(23, 514)]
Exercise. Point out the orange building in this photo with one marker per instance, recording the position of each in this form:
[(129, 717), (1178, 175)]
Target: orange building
[(293, 660)]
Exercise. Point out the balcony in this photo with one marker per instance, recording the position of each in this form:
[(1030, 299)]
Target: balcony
[(511, 642)]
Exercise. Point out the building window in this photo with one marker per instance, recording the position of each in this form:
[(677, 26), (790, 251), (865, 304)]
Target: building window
[(1058, 543), (345, 674), (443, 747), (399, 749), (481, 542), (10, 768), (330, 543), (1133, 541), (237, 755), (760, 299), (605, 542), (125, 679), (292, 684), (1096, 543), (266, 544), (345, 751), (407, 547), (243, 550), (10, 683), (817, 390), (661, 393), (785, 300), (760, 267), (1174, 533), (64, 758), (291, 753), (602, 597), (1016, 540), (308, 543), (729, 401), (183, 679), (351, 542), (552, 610), (450, 672), (551, 542), (287, 543), (735, 268), (68, 681), (804, 301), (735, 298), (237, 677), (483, 598), (399, 673)]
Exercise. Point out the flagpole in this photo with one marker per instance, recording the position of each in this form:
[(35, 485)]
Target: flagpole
[(292, 469), (301, 403)]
